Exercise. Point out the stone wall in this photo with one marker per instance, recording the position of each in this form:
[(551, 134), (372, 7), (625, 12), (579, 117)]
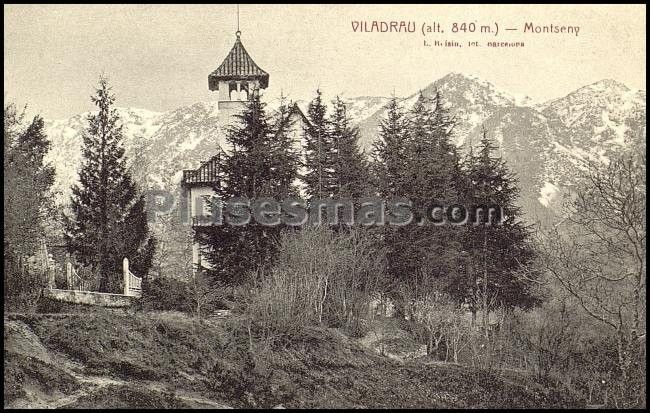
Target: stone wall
[(90, 298)]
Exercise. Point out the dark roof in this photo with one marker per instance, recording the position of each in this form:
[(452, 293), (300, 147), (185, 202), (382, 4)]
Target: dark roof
[(294, 109), (206, 174), (238, 65)]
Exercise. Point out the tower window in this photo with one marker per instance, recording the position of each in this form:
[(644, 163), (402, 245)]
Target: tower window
[(232, 91), (243, 92)]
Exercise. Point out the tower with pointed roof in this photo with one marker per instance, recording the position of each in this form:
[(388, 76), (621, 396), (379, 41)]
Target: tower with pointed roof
[(235, 80)]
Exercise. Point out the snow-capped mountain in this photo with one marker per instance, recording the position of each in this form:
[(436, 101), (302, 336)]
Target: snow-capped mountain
[(470, 99), (65, 135), (543, 143), (604, 118), (158, 144)]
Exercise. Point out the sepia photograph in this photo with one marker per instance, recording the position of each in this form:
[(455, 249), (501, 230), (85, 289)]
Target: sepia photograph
[(299, 206)]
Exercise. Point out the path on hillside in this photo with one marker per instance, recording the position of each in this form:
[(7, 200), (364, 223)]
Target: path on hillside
[(19, 339)]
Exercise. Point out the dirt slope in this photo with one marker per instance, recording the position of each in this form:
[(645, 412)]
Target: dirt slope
[(115, 359)]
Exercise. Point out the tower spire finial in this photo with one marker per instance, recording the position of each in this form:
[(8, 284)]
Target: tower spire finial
[(238, 33)]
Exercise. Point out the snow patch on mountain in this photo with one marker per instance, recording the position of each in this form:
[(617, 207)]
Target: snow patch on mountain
[(548, 193), (619, 129), (363, 106)]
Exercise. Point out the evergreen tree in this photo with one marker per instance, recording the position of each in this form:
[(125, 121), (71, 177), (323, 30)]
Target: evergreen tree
[(433, 163), (496, 251), (262, 161), (320, 152), (286, 155), (425, 170), (389, 169), (350, 168), (109, 220), (27, 207), (261, 164), (430, 175), (389, 150), (27, 180)]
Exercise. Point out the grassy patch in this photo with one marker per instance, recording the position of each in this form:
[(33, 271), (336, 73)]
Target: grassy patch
[(128, 346)]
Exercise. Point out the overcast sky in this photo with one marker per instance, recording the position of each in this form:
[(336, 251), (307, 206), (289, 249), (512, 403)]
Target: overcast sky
[(158, 57)]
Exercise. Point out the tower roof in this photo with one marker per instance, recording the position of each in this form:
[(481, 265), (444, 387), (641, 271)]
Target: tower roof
[(238, 65)]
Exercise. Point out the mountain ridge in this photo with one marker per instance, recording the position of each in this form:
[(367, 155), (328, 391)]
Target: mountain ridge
[(542, 142)]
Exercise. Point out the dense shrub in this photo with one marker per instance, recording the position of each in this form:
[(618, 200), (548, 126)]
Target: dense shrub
[(166, 294), (23, 285), (321, 277)]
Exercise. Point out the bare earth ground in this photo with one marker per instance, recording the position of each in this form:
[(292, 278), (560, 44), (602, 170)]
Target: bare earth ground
[(113, 359)]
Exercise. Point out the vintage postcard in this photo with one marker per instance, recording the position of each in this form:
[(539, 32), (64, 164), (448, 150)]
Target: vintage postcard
[(324, 206)]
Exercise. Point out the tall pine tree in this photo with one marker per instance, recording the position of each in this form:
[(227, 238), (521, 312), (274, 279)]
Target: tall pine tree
[(389, 151), (27, 207), (27, 181), (320, 152), (286, 157), (433, 163), (388, 170), (430, 174), (494, 251), (108, 220), (350, 168), (261, 164)]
